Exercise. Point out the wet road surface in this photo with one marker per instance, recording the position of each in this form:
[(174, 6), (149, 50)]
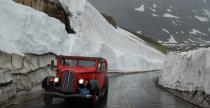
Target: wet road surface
[(126, 91)]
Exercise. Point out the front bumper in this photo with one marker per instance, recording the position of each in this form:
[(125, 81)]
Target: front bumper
[(60, 95)]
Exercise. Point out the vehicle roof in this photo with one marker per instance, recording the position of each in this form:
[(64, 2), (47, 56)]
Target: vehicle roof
[(83, 57)]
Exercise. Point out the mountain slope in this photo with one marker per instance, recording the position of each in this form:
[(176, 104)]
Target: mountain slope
[(34, 32), (166, 21)]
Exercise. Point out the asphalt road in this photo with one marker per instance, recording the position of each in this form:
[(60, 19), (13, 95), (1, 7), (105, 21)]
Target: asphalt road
[(126, 91)]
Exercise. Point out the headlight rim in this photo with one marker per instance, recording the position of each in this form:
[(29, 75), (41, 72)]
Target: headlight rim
[(56, 79), (81, 81)]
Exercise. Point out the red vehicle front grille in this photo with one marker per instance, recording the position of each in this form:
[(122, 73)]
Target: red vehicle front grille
[(68, 82)]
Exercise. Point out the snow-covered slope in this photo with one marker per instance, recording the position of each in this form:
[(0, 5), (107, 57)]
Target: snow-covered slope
[(187, 71), (24, 30)]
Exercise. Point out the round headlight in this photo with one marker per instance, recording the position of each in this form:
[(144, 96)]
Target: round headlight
[(56, 79), (81, 81)]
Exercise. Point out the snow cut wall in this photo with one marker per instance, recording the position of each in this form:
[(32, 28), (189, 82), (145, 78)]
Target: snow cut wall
[(187, 75), (187, 71), (25, 30)]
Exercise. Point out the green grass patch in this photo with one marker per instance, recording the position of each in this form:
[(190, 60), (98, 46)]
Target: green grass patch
[(151, 42)]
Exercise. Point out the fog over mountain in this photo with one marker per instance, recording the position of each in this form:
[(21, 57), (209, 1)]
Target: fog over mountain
[(168, 21)]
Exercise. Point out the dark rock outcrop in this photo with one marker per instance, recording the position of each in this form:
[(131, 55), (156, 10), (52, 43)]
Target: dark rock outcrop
[(110, 20)]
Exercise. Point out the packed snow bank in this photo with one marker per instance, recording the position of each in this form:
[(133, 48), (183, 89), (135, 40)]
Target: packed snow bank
[(76, 7), (122, 49), (188, 72), (24, 30), (21, 76)]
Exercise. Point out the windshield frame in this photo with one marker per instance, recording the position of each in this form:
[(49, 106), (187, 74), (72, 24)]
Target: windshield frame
[(78, 61)]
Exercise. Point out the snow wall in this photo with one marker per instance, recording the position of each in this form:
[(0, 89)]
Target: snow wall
[(187, 75), (25, 30), (21, 76)]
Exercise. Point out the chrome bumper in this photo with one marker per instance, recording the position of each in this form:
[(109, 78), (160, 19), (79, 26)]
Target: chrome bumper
[(56, 94)]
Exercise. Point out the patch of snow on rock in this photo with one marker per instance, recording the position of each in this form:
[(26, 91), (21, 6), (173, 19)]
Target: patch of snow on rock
[(153, 10), (168, 15), (191, 40), (196, 32), (207, 12), (159, 41), (174, 22), (139, 32), (140, 9), (166, 30), (169, 10), (154, 5), (155, 15), (202, 19), (172, 40)]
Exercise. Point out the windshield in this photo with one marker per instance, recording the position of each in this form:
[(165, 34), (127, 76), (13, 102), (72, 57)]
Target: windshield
[(78, 63)]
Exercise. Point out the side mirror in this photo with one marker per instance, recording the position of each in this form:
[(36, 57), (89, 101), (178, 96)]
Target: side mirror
[(99, 67), (52, 64)]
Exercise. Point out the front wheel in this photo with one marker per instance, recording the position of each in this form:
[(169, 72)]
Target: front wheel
[(105, 97), (94, 101), (48, 100), (95, 93)]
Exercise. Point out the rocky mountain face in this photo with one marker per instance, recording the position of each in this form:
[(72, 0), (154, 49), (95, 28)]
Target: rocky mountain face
[(174, 21)]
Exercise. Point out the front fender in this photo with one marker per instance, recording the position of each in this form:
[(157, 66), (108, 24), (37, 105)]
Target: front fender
[(45, 82)]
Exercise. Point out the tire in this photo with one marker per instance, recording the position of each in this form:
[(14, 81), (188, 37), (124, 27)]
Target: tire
[(44, 83), (48, 100), (94, 101), (95, 94), (105, 96)]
